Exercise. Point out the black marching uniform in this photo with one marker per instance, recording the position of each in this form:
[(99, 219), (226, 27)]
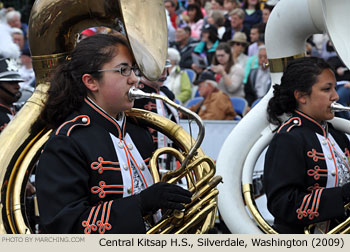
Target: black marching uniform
[(6, 115), (89, 171), (305, 166)]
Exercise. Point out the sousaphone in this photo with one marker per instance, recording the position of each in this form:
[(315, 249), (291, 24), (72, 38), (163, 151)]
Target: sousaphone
[(290, 24), (53, 31)]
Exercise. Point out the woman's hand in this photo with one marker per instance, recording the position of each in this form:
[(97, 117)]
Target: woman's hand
[(219, 69)]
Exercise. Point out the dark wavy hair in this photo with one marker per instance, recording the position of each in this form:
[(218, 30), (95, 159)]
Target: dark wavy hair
[(199, 14), (300, 74), (67, 90), (227, 49), (245, 5)]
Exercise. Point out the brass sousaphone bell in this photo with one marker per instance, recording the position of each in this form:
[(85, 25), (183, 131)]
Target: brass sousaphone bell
[(53, 30)]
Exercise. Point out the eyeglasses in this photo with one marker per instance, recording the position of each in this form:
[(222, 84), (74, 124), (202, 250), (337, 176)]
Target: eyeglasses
[(220, 55), (124, 70), (238, 43)]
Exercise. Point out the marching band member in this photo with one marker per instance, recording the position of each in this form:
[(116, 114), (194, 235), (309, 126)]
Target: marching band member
[(9, 89), (307, 173), (92, 176), (157, 106)]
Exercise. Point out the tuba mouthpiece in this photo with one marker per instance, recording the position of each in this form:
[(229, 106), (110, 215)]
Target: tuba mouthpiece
[(336, 107), (135, 93)]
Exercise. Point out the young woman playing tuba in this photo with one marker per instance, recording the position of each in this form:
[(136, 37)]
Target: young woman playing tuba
[(92, 176), (307, 171)]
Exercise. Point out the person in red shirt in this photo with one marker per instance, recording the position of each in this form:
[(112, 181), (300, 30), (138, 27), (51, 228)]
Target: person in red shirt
[(170, 5)]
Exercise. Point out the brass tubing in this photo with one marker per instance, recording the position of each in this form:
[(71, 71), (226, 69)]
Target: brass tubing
[(248, 197), (197, 218), (156, 154), (196, 207)]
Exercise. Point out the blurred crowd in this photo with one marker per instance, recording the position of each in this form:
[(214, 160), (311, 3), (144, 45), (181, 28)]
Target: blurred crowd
[(226, 38), (216, 51)]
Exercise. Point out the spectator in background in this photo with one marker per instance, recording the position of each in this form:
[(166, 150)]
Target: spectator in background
[(253, 61), (18, 37), (195, 20), (266, 13), (171, 29), (216, 105), (217, 19), (237, 17), (255, 32), (218, 5), (13, 19), (178, 81), (199, 3), (259, 80), (179, 9), (207, 46), (23, 6), (238, 46), (9, 76), (156, 105), (229, 5), (253, 14), (185, 44), (229, 75), (170, 5)]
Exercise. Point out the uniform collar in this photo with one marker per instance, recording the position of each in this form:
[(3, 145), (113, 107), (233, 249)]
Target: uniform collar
[(309, 122), (100, 116)]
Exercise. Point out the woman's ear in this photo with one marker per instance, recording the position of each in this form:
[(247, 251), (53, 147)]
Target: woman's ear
[(300, 97), (90, 82)]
